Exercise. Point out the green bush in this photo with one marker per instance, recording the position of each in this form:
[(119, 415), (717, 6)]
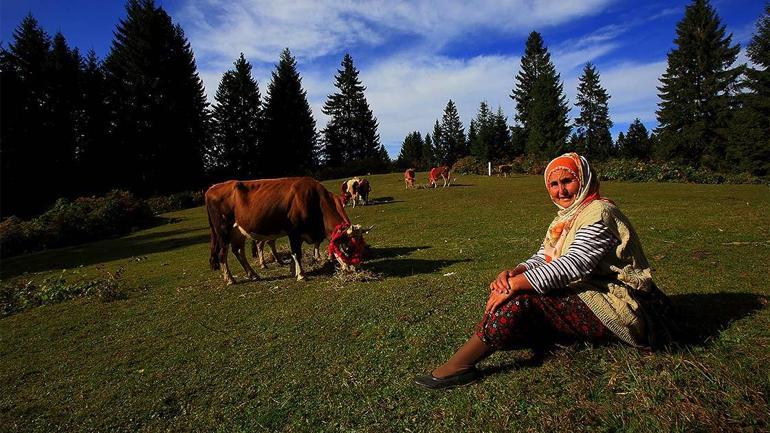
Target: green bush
[(469, 165), (19, 296), (71, 222), (178, 201)]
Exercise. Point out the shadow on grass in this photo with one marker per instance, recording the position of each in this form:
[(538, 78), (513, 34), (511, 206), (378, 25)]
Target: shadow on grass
[(104, 251), (408, 267), (382, 253), (702, 316), (382, 200)]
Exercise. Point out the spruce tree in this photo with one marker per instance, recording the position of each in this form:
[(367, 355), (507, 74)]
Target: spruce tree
[(500, 148), (540, 102), (65, 98), (351, 133), (636, 142), (749, 135), (24, 130), (440, 152), (288, 134), (697, 89), (428, 153), (593, 125), (411, 151), (156, 102), (480, 134), (93, 158), (236, 120), (452, 136)]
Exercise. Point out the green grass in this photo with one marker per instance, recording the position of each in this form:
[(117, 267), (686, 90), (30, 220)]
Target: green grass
[(189, 354)]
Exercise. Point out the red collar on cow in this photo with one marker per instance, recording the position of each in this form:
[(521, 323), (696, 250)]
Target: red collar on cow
[(351, 256)]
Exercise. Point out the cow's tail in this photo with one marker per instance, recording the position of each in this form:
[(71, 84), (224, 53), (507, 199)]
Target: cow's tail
[(217, 238)]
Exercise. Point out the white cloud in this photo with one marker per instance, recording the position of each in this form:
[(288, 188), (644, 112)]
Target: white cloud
[(314, 28)]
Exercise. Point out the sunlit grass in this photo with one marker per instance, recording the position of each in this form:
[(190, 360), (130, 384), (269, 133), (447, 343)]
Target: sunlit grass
[(189, 353)]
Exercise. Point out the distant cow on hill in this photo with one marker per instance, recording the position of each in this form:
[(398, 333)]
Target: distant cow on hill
[(364, 188), (349, 191), (504, 170), (436, 172), (409, 178), (297, 207)]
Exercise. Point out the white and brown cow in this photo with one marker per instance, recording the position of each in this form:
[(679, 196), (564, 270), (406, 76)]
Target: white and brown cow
[(439, 172), (297, 207), (504, 170)]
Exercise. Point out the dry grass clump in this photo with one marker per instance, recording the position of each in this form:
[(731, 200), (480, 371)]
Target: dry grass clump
[(359, 275)]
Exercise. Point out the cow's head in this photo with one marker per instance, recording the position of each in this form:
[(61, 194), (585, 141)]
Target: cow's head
[(347, 245)]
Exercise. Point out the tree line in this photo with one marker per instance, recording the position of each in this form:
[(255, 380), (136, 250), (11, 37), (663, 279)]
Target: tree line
[(138, 120), (711, 114)]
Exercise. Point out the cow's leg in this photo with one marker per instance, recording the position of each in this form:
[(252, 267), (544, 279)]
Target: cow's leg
[(296, 253), (317, 252), (226, 274), (238, 244), (260, 253), (271, 244)]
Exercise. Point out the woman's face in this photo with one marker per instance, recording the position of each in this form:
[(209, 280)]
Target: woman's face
[(563, 187)]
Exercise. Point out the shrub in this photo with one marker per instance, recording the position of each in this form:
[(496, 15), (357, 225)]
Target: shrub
[(19, 296), (178, 201), (469, 165)]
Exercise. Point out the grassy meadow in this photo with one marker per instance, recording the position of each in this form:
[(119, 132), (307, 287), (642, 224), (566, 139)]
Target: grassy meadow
[(185, 353)]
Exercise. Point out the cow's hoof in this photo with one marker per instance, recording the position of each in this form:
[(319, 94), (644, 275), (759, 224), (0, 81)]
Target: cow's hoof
[(229, 282), (254, 277), (300, 277), (262, 266)]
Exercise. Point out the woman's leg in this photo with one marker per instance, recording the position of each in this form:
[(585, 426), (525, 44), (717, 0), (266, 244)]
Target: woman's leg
[(473, 351)]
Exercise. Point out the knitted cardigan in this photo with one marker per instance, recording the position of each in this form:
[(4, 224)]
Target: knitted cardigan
[(608, 291)]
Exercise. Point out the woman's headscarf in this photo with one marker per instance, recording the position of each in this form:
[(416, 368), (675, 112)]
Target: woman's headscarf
[(588, 192)]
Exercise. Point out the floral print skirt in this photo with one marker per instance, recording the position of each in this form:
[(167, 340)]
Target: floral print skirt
[(531, 320)]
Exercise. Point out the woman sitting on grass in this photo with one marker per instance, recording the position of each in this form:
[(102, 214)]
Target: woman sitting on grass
[(590, 281)]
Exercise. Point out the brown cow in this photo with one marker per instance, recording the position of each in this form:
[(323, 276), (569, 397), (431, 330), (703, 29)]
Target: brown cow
[(504, 170), (437, 172), (297, 207), (362, 194), (409, 178)]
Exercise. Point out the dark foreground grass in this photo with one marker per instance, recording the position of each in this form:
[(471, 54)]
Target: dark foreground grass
[(188, 354)]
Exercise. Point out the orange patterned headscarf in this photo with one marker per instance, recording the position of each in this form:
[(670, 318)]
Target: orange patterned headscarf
[(588, 192)]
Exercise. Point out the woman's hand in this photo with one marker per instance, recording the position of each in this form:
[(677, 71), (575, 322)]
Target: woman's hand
[(501, 285), (495, 300)]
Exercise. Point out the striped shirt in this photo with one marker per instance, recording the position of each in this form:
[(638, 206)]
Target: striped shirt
[(591, 243)]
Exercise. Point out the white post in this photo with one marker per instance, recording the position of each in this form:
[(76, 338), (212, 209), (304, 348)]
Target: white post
[(489, 167)]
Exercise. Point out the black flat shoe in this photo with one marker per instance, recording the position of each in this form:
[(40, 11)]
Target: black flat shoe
[(459, 379)]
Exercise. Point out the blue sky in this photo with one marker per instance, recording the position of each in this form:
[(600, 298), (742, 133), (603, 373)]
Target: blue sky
[(414, 55)]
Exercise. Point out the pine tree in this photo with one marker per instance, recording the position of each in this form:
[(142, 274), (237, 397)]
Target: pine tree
[(636, 143), (452, 136), (593, 125), (156, 101), (500, 147), (25, 127), (440, 152), (749, 135), (428, 153), (697, 89), (411, 151), (351, 134), (92, 155), (289, 135), (236, 117), (480, 134), (540, 102), (65, 107)]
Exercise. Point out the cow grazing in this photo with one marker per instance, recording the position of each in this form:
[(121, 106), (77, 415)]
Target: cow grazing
[(349, 191), (504, 170), (436, 172), (409, 178), (364, 188), (297, 207)]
